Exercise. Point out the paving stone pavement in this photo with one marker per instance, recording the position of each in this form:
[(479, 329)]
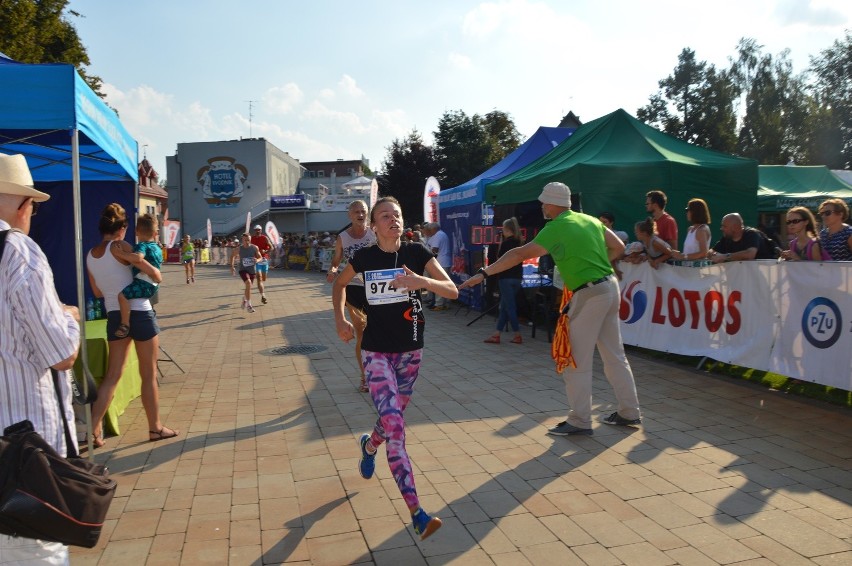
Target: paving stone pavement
[(264, 471)]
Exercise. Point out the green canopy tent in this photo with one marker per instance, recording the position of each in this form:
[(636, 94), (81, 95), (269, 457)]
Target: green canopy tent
[(782, 187), (611, 162)]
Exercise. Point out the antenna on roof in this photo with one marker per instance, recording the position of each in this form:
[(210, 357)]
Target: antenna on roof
[(251, 115)]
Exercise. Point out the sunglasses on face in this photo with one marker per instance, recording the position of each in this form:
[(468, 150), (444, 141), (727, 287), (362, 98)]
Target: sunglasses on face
[(825, 213), (795, 221), (35, 206)]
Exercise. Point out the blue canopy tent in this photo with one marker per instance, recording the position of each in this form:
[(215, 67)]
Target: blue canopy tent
[(461, 207), (71, 140)]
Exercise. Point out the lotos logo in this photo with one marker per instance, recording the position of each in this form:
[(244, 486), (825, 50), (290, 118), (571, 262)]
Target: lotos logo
[(679, 307), (636, 301), (822, 322)]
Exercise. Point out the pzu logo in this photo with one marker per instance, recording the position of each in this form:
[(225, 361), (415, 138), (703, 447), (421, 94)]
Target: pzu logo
[(822, 323)]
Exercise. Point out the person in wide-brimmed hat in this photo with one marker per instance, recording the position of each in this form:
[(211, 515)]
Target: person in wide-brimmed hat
[(39, 334)]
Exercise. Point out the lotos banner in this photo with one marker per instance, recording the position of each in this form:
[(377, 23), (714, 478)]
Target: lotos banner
[(787, 318)]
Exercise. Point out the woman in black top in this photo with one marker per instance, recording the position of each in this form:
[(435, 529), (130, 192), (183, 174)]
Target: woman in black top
[(509, 284), (392, 345)]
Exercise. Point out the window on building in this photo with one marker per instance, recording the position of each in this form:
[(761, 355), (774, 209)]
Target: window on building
[(320, 173)]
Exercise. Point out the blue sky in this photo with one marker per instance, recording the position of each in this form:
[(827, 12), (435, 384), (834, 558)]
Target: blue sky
[(335, 80)]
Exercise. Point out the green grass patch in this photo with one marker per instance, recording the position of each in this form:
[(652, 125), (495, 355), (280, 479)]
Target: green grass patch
[(767, 379)]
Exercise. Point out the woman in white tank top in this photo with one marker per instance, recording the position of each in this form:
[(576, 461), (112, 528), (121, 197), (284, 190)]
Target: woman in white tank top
[(697, 241), (109, 272), (357, 236)]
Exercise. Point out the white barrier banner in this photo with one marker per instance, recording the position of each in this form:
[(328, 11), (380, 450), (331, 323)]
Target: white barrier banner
[(814, 342), (792, 318), (723, 312)]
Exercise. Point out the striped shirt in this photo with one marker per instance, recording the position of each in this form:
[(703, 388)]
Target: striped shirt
[(35, 333)]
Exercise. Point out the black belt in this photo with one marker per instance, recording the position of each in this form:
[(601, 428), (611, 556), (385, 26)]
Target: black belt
[(592, 283)]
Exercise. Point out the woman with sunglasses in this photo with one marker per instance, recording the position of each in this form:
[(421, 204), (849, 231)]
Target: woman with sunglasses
[(836, 235), (804, 244)]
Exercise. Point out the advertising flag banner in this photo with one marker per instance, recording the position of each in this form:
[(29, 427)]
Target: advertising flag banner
[(272, 233), (374, 193), (430, 200), (172, 231), (248, 222), (209, 231)]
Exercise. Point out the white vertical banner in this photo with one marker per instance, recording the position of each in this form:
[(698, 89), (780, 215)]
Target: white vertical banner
[(430, 200), (248, 222), (374, 193), (209, 231), (272, 233), (172, 230)]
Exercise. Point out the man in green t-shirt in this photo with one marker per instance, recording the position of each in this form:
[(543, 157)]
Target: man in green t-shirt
[(583, 250)]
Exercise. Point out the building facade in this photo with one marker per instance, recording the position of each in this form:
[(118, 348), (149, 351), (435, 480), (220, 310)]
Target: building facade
[(228, 181)]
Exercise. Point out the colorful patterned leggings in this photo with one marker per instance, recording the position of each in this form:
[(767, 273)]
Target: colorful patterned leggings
[(391, 378)]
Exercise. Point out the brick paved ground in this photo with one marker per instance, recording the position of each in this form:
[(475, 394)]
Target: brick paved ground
[(264, 471)]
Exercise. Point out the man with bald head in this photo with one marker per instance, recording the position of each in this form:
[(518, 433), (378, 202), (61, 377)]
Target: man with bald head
[(738, 243)]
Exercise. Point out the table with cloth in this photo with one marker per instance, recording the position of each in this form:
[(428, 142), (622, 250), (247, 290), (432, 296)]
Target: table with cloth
[(130, 384)]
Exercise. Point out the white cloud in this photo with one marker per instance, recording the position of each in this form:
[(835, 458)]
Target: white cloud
[(327, 94), (810, 13), (283, 99), (459, 61), (348, 86), (320, 113)]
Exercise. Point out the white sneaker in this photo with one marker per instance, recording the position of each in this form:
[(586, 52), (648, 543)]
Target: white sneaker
[(243, 306), (250, 308)]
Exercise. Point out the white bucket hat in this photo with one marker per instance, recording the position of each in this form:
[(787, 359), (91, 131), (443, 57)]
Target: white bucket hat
[(15, 178), (557, 194)]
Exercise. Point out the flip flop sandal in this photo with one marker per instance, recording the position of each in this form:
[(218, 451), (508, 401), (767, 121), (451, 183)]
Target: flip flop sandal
[(122, 331), (363, 388), (158, 435), (492, 340)]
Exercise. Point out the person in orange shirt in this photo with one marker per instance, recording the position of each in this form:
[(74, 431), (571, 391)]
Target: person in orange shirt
[(263, 244)]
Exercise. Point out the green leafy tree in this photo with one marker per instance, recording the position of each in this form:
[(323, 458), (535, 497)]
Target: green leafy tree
[(833, 89), (39, 31), (502, 136), (409, 162), (461, 148), (695, 103), (774, 125)]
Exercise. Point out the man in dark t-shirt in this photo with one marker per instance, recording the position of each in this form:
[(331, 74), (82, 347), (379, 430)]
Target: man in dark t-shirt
[(738, 243)]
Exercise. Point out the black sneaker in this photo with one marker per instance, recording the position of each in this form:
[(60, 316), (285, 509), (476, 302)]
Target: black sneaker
[(263, 299), (566, 429), (616, 419)]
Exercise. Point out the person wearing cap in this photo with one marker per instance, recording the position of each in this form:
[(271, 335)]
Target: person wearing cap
[(39, 333), (261, 241), (582, 248)]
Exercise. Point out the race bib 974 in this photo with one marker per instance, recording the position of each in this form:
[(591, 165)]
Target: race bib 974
[(378, 285)]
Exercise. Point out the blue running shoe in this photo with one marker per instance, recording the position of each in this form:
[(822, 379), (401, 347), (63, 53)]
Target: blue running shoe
[(367, 464), (425, 524)]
